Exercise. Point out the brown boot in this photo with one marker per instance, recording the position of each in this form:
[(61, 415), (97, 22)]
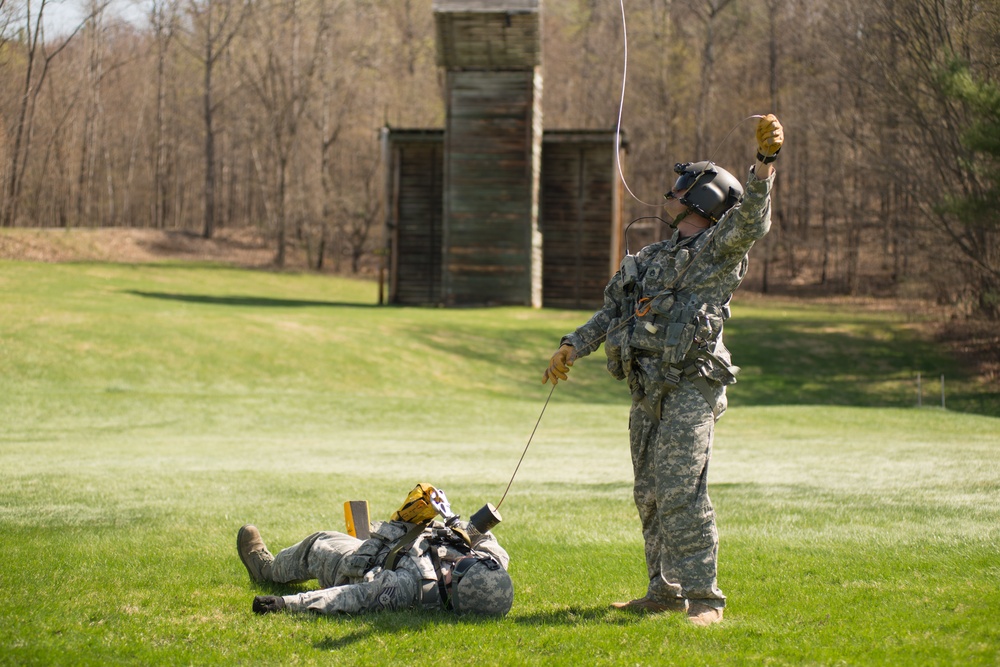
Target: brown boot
[(701, 614), (647, 605), (254, 554)]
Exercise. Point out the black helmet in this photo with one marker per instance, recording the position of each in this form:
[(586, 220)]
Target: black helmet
[(711, 190)]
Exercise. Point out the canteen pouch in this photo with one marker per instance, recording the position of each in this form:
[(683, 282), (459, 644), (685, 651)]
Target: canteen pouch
[(678, 341), (367, 555), (355, 565), (614, 346)]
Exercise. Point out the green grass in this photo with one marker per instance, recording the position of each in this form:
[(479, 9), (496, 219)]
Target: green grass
[(149, 411)]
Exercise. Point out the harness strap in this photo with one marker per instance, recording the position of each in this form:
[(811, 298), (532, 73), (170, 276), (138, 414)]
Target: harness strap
[(403, 543), (694, 376), (442, 587), (651, 404)]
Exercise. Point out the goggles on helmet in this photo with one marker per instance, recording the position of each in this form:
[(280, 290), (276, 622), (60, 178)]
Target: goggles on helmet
[(705, 188), (686, 178)]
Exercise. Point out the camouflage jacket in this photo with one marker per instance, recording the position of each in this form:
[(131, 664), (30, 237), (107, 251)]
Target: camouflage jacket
[(669, 311)]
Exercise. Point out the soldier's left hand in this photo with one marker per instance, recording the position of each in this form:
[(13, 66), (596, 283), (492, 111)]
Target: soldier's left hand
[(770, 135)]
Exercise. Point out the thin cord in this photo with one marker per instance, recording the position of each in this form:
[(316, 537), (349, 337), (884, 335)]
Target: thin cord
[(726, 138), (526, 446), (621, 106), (621, 174)]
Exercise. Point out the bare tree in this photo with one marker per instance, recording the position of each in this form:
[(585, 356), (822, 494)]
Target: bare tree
[(214, 25), (38, 55), (362, 210), (163, 17), (335, 105), (899, 64), (714, 35), (93, 119), (280, 70)]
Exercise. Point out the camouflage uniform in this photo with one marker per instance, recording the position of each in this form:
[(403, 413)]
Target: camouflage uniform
[(677, 369), (351, 573)]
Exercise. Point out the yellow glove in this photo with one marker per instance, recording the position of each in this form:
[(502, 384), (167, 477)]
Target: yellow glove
[(770, 137), (417, 507), (559, 364)]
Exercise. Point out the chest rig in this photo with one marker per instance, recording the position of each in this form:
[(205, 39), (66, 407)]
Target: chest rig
[(430, 547), (667, 332)]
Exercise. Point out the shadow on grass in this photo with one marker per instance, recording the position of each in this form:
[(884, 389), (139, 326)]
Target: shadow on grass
[(338, 643), (411, 620), (575, 615), (381, 624), (251, 301)]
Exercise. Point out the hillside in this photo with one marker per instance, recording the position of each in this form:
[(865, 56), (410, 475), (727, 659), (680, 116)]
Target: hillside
[(975, 344)]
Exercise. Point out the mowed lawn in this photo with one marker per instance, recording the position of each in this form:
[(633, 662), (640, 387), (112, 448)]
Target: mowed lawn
[(148, 411)]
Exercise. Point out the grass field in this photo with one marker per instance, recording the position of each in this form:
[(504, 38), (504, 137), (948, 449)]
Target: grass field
[(148, 411)]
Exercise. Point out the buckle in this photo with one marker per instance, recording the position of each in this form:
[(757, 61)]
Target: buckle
[(672, 376)]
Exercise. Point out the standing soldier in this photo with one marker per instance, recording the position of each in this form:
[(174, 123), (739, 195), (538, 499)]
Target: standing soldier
[(661, 324), (410, 561)]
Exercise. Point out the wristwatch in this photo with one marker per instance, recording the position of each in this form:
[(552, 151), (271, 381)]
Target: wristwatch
[(769, 158)]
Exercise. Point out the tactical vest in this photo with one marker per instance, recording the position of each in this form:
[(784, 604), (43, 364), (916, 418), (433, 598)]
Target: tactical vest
[(425, 547), (667, 333)]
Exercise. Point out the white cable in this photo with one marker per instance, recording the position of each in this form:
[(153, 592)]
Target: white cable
[(621, 106)]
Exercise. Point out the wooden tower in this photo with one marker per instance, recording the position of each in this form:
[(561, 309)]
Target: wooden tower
[(492, 210), (491, 53)]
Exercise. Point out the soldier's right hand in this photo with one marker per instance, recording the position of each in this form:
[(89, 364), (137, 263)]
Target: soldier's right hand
[(559, 365)]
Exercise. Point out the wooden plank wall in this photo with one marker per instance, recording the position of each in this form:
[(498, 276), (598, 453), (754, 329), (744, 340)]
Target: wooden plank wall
[(488, 34), (416, 217), (490, 184), (579, 220)]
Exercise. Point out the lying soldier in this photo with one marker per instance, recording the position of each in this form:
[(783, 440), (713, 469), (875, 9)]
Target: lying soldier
[(410, 561)]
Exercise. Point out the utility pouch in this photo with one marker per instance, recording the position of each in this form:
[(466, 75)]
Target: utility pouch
[(662, 303), (356, 564), (629, 270), (679, 339), (389, 531), (648, 333), (714, 368), (613, 347), (709, 325)]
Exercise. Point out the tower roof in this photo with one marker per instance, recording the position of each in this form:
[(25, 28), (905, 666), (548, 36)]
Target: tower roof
[(488, 34)]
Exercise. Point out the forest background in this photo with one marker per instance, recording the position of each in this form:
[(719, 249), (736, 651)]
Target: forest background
[(217, 117)]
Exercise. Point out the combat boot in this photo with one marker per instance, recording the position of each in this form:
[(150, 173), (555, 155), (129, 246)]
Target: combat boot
[(701, 614), (648, 605), (254, 554)]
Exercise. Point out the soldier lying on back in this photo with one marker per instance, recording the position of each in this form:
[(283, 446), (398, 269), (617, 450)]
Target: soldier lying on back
[(410, 561)]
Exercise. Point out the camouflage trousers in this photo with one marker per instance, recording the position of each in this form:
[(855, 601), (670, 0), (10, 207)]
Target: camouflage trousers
[(319, 557), (670, 461)]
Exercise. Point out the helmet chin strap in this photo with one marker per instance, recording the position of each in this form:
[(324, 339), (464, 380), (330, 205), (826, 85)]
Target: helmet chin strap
[(676, 221)]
